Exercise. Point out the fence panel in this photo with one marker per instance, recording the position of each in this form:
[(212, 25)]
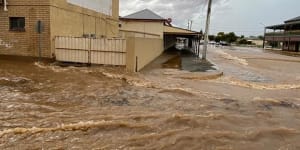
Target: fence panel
[(88, 50)]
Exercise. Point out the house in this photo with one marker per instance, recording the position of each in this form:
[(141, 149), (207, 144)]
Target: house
[(148, 35), (19, 23), (146, 23), (284, 36)]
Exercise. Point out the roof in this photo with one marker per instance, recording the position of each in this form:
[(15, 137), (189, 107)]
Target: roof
[(276, 27), (293, 20), (145, 14), (169, 29)]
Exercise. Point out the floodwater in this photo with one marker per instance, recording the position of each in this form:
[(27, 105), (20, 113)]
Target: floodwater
[(253, 104)]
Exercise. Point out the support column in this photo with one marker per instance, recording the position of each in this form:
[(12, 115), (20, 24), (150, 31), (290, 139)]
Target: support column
[(264, 38)]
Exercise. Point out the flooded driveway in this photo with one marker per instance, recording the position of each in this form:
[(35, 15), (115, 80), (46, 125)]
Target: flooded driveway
[(254, 105)]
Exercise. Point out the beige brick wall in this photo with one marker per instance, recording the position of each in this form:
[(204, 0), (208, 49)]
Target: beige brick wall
[(25, 43), (60, 19)]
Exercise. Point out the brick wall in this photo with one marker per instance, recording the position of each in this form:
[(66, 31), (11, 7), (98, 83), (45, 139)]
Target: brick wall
[(25, 43), (59, 18)]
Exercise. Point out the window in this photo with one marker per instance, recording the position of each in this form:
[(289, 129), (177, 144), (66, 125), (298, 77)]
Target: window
[(17, 24)]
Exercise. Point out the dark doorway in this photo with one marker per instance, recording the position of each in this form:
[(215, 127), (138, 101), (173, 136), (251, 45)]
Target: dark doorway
[(297, 46)]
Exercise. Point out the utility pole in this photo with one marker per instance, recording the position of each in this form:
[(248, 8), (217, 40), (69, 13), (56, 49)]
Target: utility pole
[(191, 25), (188, 27), (206, 30)]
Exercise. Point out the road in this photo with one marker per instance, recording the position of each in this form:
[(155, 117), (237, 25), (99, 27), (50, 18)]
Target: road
[(253, 104)]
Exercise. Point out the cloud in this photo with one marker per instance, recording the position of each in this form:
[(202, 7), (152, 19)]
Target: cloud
[(179, 10)]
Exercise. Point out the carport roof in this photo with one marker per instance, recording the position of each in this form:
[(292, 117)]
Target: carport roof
[(170, 30)]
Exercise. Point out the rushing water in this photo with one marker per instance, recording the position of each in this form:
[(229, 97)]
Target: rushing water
[(43, 106)]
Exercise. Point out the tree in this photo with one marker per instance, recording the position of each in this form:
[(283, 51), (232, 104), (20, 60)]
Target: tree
[(212, 38), (230, 37), (221, 36), (242, 36), (261, 37), (218, 39), (226, 37)]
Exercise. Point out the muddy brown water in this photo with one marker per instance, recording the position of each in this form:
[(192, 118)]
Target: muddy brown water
[(43, 106)]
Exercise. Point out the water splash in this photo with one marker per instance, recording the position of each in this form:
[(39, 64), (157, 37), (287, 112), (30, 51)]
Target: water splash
[(258, 86), (233, 58)]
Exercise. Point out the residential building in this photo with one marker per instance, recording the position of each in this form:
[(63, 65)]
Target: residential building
[(148, 35), (147, 24), (144, 23), (284, 36), (18, 24)]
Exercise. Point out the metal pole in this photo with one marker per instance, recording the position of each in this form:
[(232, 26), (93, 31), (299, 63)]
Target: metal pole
[(191, 24), (206, 30), (264, 38)]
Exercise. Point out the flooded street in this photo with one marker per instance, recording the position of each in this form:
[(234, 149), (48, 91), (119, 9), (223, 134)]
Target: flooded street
[(251, 100)]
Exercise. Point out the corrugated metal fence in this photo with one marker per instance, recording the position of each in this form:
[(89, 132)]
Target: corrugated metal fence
[(91, 50)]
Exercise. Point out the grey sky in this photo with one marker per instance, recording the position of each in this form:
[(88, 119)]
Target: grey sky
[(241, 16)]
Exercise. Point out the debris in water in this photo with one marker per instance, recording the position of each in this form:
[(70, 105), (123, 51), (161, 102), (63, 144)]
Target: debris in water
[(269, 102)]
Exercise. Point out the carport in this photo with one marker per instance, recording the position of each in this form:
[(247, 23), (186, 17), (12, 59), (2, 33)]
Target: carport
[(171, 34)]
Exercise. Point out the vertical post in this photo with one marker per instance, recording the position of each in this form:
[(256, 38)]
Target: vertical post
[(40, 46), (206, 30), (39, 29), (136, 64), (264, 40), (89, 51), (199, 45)]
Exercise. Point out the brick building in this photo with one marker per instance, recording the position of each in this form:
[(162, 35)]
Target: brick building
[(78, 18)]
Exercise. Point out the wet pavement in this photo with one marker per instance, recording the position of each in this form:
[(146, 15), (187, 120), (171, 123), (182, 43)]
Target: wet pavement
[(253, 104)]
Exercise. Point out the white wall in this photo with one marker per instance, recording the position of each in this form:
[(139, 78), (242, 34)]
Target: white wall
[(102, 6)]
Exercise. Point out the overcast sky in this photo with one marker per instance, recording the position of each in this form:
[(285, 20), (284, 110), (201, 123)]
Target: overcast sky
[(244, 17)]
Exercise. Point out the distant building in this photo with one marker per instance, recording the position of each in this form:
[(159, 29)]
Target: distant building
[(284, 36), (76, 18)]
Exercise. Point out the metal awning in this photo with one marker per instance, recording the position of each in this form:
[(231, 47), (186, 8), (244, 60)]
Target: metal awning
[(283, 26), (276, 27), (171, 30)]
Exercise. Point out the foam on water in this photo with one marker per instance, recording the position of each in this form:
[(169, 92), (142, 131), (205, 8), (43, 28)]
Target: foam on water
[(233, 58), (82, 126), (259, 86)]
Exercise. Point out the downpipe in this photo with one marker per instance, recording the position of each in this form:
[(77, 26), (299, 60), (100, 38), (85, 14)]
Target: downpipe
[(5, 5)]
